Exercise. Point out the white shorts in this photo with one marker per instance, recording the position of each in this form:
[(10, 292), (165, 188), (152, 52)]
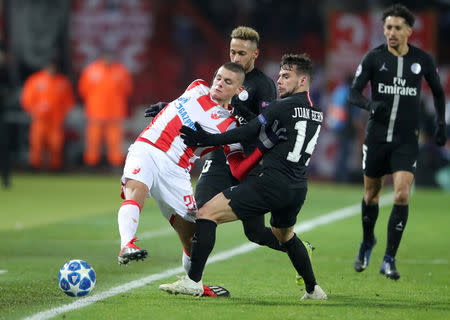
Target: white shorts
[(168, 183)]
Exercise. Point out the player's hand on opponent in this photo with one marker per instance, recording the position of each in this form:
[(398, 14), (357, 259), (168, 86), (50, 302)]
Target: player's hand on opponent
[(195, 138), (154, 109), (270, 136), (440, 135), (379, 111)]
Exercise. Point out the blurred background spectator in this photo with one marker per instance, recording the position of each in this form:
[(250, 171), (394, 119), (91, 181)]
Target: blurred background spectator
[(164, 43), (105, 86), (47, 96)]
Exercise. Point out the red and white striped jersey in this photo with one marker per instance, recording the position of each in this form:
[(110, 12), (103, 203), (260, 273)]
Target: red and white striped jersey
[(195, 105)]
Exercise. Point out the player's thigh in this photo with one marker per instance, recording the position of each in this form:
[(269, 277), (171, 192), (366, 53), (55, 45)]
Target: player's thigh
[(284, 215), (404, 157), (247, 199), (139, 166), (218, 210), (376, 159), (172, 188)]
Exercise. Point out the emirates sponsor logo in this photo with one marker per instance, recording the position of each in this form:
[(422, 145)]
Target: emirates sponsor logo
[(136, 171), (215, 116)]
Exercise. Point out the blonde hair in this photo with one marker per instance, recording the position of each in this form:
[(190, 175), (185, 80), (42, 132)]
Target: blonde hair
[(245, 33)]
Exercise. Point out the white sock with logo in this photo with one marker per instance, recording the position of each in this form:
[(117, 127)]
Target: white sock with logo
[(128, 219)]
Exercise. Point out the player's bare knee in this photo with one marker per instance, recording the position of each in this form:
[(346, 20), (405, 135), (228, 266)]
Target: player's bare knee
[(283, 234), (371, 198), (137, 191), (401, 197)]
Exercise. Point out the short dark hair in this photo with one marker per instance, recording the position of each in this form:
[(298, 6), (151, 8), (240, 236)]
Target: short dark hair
[(234, 67), (399, 10), (302, 62), (245, 33)]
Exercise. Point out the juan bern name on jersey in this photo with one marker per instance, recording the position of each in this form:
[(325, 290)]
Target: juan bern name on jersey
[(306, 113)]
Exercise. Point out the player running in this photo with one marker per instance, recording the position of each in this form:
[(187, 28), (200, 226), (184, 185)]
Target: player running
[(395, 71)]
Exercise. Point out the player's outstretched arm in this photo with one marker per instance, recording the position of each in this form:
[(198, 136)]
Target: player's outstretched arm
[(269, 136), (201, 138)]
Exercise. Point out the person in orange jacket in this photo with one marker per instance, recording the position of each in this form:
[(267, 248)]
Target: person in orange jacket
[(105, 86), (47, 96)]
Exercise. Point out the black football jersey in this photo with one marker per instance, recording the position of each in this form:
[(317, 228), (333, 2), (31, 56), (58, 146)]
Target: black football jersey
[(286, 162), (259, 91), (396, 80)]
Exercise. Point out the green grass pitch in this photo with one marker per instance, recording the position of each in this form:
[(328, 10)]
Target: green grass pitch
[(48, 220)]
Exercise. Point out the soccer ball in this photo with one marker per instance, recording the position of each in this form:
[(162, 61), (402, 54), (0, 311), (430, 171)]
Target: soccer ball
[(76, 278)]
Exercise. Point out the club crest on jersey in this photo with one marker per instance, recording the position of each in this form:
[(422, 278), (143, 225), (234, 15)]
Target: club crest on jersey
[(243, 96), (415, 68), (221, 113)]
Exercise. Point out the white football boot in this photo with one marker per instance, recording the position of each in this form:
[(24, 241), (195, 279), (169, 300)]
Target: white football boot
[(184, 286), (317, 294)]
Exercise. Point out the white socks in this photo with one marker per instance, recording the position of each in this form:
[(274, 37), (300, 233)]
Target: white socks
[(186, 260), (128, 218)]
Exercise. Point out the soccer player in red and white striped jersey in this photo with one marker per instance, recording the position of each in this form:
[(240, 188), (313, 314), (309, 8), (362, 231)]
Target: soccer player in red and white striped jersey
[(158, 163)]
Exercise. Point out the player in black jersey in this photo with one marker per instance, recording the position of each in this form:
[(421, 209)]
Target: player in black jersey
[(259, 91), (279, 185), (395, 70)]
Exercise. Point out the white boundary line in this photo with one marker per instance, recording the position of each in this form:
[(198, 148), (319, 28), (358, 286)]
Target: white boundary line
[(224, 255)]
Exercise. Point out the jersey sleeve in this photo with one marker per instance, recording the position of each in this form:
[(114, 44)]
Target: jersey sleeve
[(362, 76), (432, 76), (266, 94), (363, 73), (241, 166)]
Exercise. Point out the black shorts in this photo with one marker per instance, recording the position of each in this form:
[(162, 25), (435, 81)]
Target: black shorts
[(380, 159), (210, 185), (257, 195)]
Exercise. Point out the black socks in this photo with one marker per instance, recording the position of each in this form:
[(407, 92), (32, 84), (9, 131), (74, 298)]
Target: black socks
[(300, 259), (396, 225), (202, 245), (369, 215)]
